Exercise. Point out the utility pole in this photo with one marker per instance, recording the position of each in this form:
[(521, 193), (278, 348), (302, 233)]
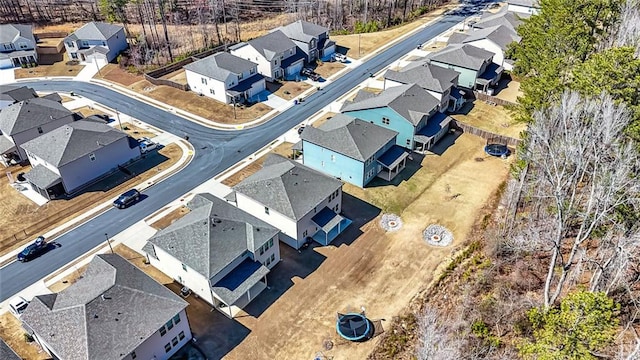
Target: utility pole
[(118, 117)]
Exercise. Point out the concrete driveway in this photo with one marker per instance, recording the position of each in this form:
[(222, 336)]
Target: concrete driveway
[(270, 99)]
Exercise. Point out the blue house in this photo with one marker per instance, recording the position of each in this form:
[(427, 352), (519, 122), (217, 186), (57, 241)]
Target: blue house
[(353, 150), (406, 109)]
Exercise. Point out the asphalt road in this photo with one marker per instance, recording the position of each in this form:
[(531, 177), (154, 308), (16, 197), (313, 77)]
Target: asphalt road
[(216, 150)]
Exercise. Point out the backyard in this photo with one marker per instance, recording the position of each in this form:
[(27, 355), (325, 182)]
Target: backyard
[(493, 118)]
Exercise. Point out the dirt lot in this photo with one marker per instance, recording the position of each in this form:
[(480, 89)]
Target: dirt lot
[(87, 111), (56, 69), (22, 219), (327, 69), (283, 149), (288, 89), (114, 73), (179, 76), (137, 132), (492, 118)]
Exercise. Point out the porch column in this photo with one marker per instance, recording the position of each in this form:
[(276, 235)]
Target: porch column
[(229, 307)]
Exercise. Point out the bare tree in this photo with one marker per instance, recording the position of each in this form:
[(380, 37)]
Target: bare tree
[(627, 31), (436, 339)]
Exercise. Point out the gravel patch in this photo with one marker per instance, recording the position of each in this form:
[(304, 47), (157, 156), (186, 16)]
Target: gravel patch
[(437, 235)]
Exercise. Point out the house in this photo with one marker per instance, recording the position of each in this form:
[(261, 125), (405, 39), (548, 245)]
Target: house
[(72, 156), (276, 55), (531, 7), (17, 46), (353, 150), (502, 17), (114, 311), (494, 39), (26, 120), (7, 353), (438, 81), (301, 202), (406, 109), (96, 42), (218, 251), (10, 94), (225, 77), (312, 39), (475, 65)]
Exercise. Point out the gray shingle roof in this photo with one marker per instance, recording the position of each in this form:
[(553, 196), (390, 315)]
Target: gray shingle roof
[(503, 17), (410, 101), (72, 141), (11, 32), (351, 137), (303, 30), (427, 76), (106, 315), (272, 44), (501, 35), (240, 280), (288, 187), (212, 235), (96, 31), (7, 353), (29, 114), (462, 55), (220, 65), (528, 3), (16, 93), (42, 177)]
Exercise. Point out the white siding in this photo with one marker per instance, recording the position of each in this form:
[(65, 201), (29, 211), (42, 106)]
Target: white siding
[(490, 46), (265, 67), (153, 347), (196, 85), (285, 224)]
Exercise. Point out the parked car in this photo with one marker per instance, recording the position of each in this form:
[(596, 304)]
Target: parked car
[(340, 57), (300, 130), (17, 305), (127, 199), (146, 145), (33, 250), (310, 74)]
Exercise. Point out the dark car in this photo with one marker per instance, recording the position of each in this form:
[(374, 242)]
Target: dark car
[(33, 250), (300, 130), (127, 199), (310, 74)]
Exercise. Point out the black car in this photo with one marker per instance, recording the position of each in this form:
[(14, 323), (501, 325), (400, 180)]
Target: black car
[(127, 199), (34, 250), (310, 74)]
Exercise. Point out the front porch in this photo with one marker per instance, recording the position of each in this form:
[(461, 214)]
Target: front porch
[(244, 91), (45, 182), (331, 225), (238, 288), (23, 58), (393, 161)]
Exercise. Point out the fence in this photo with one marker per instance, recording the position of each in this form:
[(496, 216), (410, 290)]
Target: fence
[(493, 99), (51, 35), (488, 135)]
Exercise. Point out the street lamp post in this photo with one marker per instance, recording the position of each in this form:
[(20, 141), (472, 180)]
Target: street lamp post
[(118, 117), (108, 242), (95, 60)]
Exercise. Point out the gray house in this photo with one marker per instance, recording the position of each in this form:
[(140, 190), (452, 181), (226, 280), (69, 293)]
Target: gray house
[(276, 55), (96, 41), (7, 353), (26, 120), (11, 94), (114, 311), (494, 39), (312, 39), (476, 67), (218, 251), (17, 46), (502, 17), (70, 157)]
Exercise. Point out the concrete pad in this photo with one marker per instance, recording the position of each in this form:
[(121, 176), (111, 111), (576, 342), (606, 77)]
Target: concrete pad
[(89, 71), (25, 189), (273, 100), (7, 76)]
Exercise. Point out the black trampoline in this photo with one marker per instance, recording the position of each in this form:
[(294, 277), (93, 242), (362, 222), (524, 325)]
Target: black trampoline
[(496, 150), (353, 326)]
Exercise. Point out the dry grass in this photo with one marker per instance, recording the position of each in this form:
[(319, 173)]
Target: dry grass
[(136, 131), (12, 333), (140, 262), (179, 76), (283, 149), (492, 118), (56, 69), (87, 111), (114, 73), (68, 280), (325, 117), (288, 89), (326, 69), (170, 218)]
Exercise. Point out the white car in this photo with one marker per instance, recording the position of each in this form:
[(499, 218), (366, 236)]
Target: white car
[(146, 145), (17, 305), (340, 57)]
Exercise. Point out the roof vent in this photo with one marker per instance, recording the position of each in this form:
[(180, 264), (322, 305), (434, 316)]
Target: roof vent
[(105, 297), (95, 316), (217, 221)]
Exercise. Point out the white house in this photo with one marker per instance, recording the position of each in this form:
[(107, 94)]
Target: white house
[(312, 39), (225, 77), (276, 55), (17, 46), (114, 311), (96, 42), (218, 251), (531, 7), (70, 157), (301, 202), (494, 39)]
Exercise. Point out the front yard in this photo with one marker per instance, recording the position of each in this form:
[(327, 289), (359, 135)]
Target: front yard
[(59, 68)]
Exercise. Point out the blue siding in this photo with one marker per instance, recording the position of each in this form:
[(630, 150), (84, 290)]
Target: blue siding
[(397, 123), (346, 168), (467, 77)]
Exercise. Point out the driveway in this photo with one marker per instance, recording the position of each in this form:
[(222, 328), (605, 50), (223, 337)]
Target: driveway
[(7, 76), (270, 99)]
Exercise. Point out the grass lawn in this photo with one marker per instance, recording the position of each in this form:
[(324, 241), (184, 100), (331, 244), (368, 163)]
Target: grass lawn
[(170, 218), (492, 118), (59, 68)]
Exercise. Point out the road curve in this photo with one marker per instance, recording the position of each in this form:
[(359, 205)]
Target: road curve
[(215, 151)]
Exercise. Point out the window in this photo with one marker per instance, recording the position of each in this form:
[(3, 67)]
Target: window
[(271, 242), (22, 45), (104, 43), (315, 210), (92, 157), (408, 141), (181, 335), (167, 347), (213, 92), (305, 233), (74, 55), (133, 355), (335, 208), (40, 130), (240, 76), (266, 210), (268, 261), (252, 71), (176, 319), (70, 44), (261, 250), (333, 158), (174, 341), (163, 330), (184, 267), (169, 325), (273, 257), (385, 120), (322, 163), (203, 80)]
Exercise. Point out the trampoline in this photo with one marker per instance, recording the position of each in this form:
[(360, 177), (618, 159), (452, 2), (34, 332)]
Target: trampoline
[(496, 149), (353, 326)]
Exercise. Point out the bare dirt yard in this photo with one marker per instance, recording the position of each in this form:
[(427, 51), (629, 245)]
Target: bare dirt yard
[(179, 76), (283, 149), (328, 68), (59, 68), (288, 89), (87, 111), (494, 118), (12, 333), (113, 73)]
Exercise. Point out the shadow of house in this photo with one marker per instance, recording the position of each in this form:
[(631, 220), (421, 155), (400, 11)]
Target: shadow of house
[(361, 213), (410, 169), (446, 142)]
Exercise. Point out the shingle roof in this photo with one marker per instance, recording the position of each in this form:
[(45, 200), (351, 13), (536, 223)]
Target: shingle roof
[(288, 187), (42, 177), (527, 3), (463, 55), (11, 32), (351, 137), (427, 76), (72, 141), (303, 30), (410, 101), (16, 93), (240, 280), (7, 353), (96, 31), (220, 65), (29, 114), (501, 35), (272, 44), (212, 235), (106, 314), (502, 17)]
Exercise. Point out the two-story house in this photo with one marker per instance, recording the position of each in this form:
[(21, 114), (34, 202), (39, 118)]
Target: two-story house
[(11, 94), (114, 311), (311, 39), (72, 156), (225, 77), (218, 251), (531, 7), (438, 81), (407, 109), (476, 67), (26, 120), (353, 150), (96, 41), (17, 46), (494, 39), (502, 17), (276, 55), (302, 203)]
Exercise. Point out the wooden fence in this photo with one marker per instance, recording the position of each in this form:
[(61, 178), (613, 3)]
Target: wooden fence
[(51, 35), (491, 99), (487, 135)]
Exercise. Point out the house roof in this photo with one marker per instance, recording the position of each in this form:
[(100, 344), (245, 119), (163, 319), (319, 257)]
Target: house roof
[(410, 101), (500, 35), (212, 235), (220, 65), (351, 137), (288, 187), (72, 141), (427, 76), (95, 31), (272, 44), (527, 3), (303, 30), (42, 177), (240, 280), (29, 114), (11, 32), (16, 93), (502, 17), (106, 314), (7, 353), (462, 55)]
